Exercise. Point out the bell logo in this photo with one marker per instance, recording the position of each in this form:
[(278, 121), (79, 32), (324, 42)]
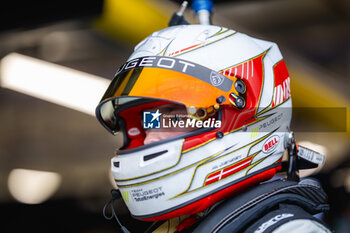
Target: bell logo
[(271, 144)]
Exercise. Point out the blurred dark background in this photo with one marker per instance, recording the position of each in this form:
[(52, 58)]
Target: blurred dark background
[(96, 37)]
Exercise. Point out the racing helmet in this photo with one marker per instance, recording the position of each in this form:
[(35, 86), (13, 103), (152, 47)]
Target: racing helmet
[(218, 101)]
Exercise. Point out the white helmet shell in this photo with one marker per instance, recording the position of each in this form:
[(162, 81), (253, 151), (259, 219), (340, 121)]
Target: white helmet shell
[(189, 173)]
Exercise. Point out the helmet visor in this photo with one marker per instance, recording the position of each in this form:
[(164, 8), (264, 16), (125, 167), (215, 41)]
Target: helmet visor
[(165, 78)]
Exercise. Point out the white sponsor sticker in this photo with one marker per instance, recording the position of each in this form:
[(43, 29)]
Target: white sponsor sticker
[(147, 194), (310, 155), (134, 131)]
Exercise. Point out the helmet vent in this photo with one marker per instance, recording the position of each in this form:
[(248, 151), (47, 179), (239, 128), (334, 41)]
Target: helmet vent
[(154, 155)]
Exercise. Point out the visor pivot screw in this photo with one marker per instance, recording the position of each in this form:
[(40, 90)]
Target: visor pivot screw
[(239, 101), (219, 134), (244, 128), (192, 110), (220, 99), (201, 112), (240, 86)]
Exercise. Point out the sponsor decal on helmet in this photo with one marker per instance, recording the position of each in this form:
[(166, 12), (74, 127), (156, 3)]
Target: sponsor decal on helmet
[(255, 132), (216, 79), (125, 195), (228, 171), (195, 70), (160, 62), (271, 144), (227, 162), (281, 92), (141, 194), (271, 122), (133, 131)]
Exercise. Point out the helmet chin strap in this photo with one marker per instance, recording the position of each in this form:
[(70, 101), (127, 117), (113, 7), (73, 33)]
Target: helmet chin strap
[(293, 170), (115, 195)]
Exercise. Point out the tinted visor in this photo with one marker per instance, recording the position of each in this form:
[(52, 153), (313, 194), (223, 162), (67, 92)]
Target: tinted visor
[(162, 78)]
